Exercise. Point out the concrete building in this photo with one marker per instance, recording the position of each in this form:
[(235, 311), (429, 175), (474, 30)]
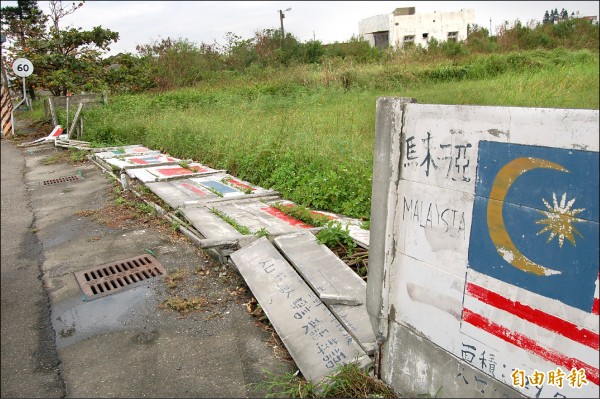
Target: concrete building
[(403, 25)]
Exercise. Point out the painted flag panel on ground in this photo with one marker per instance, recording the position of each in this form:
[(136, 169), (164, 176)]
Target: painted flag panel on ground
[(533, 253)]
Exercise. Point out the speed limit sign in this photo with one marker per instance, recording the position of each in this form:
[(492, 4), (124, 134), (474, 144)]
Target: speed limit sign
[(22, 67)]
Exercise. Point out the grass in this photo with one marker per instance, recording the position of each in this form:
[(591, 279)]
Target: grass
[(303, 214), (349, 381), (233, 223), (335, 234), (308, 131), (185, 305), (173, 279), (72, 156)]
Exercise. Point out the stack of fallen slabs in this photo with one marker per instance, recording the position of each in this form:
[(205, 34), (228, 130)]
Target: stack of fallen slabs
[(168, 172), (211, 186), (314, 337), (112, 152), (338, 286), (253, 214), (141, 161)]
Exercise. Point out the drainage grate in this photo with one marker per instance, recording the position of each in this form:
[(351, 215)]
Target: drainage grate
[(62, 180), (116, 276), (31, 152)]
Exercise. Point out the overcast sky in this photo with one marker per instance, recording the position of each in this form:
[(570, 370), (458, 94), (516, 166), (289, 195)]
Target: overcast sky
[(141, 22)]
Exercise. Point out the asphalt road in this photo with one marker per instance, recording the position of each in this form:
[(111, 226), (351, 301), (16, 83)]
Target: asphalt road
[(57, 343), (29, 359)]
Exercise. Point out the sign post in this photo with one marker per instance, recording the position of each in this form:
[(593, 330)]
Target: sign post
[(22, 67)]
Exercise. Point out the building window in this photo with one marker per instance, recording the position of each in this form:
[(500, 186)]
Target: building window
[(425, 36), (382, 39), (452, 36), (409, 39)]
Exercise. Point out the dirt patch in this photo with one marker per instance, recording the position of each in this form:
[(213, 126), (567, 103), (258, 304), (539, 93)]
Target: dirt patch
[(32, 131), (125, 210), (358, 260)]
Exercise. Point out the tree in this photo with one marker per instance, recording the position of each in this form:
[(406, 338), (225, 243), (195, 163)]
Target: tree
[(546, 19), (21, 24), (179, 62), (64, 60), (58, 10), (70, 59)]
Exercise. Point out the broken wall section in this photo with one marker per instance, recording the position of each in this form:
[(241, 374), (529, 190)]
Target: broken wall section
[(483, 264)]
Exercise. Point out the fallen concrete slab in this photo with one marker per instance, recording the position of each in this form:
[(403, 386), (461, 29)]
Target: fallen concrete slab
[(357, 233), (112, 152), (339, 287), (258, 216), (313, 336), (182, 192), (210, 225), (169, 172), (228, 186), (142, 161)]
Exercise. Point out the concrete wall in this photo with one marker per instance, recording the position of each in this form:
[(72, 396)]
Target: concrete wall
[(478, 277), (76, 99), (436, 25), (377, 23)]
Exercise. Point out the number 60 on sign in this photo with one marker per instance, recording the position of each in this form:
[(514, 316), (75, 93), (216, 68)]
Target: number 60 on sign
[(22, 67)]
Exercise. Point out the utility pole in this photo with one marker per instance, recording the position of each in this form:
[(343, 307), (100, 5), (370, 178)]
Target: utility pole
[(281, 17), (490, 26)]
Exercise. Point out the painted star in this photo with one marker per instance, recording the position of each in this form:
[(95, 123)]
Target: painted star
[(559, 219)]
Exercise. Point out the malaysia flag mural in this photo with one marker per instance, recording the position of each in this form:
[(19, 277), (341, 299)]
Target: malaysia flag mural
[(532, 277)]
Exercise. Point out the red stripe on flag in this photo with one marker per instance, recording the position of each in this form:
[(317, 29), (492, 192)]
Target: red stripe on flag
[(291, 220), (529, 344), (595, 306), (535, 316)]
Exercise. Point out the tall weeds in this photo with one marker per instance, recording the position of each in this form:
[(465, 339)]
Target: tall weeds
[(309, 133)]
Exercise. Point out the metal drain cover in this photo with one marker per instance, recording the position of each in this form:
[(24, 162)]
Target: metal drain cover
[(116, 276), (62, 180), (31, 152)]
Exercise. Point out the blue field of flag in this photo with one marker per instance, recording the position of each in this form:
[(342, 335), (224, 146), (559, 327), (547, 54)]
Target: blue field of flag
[(546, 240)]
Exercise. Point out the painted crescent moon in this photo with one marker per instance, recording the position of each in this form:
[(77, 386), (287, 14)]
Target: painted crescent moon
[(502, 183)]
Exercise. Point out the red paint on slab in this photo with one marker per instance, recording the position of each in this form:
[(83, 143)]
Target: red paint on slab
[(524, 342), (174, 171), (194, 189), (330, 217), (280, 215), (138, 161), (536, 316), (240, 184), (197, 168), (57, 133)]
